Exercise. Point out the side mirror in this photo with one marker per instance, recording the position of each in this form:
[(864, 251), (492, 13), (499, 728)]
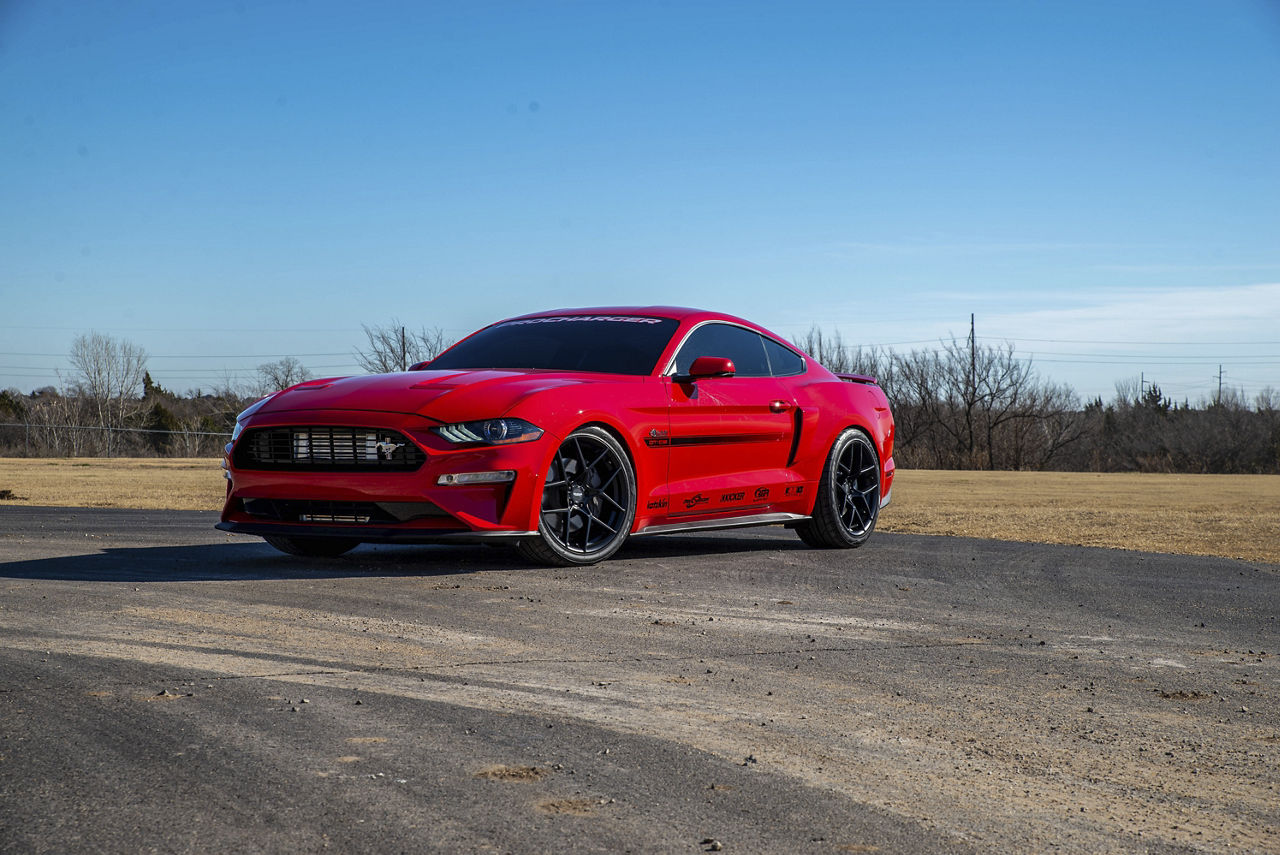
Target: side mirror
[(709, 366)]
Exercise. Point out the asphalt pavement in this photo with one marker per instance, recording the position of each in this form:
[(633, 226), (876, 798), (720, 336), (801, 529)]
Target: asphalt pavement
[(166, 687)]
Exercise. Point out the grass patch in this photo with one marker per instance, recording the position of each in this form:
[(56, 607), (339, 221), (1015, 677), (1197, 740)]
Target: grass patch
[(180, 484), (1233, 516)]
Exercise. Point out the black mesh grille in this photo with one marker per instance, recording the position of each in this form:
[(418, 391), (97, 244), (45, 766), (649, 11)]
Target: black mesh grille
[(327, 449)]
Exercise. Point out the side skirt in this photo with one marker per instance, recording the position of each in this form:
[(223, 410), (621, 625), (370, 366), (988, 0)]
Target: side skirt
[(732, 522)]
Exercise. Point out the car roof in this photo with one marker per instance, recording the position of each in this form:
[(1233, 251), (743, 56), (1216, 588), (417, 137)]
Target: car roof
[(679, 313)]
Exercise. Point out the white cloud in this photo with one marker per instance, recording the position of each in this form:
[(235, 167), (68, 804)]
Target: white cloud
[(1179, 316)]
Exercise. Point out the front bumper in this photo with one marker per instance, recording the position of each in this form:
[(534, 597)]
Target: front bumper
[(370, 534), (301, 502)]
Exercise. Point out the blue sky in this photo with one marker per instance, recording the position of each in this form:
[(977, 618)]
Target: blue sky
[(226, 183)]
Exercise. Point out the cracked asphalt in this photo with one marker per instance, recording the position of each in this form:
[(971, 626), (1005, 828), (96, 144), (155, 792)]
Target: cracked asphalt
[(166, 687)]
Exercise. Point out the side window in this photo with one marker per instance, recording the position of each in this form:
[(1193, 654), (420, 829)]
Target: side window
[(783, 362), (745, 348)]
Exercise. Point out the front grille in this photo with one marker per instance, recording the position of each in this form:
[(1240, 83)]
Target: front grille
[(327, 449), (324, 511)]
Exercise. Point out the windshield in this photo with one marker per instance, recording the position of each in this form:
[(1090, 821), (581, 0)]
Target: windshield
[(613, 344)]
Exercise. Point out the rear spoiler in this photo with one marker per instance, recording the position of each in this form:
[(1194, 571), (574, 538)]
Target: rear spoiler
[(858, 378)]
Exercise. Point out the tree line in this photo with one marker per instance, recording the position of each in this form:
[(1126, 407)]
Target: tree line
[(963, 405), (110, 406), (966, 405)]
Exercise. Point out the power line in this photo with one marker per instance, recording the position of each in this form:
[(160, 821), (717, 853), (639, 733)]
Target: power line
[(196, 355), (1113, 341)]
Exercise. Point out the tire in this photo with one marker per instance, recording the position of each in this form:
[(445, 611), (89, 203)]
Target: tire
[(848, 503), (311, 547), (588, 502)]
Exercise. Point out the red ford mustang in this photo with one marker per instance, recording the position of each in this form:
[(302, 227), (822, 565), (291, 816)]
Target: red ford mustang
[(567, 432)]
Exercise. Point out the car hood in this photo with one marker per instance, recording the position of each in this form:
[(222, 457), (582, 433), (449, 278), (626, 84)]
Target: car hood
[(442, 395)]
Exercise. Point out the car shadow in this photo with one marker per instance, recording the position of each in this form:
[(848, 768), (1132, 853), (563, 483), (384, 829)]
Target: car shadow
[(254, 561), (231, 562)]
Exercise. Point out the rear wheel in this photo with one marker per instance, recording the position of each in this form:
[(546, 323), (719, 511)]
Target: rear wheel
[(588, 501), (311, 547), (844, 514)]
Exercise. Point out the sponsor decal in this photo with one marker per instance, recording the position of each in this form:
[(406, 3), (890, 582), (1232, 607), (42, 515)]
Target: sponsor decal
[(657, 505), (797, 490), (657, 439), (733, 497), (568, 319), (696, 501), (761, 493)]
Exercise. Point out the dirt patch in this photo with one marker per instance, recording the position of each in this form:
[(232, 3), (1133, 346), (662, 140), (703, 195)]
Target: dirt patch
[(571, 807), (513, 774)]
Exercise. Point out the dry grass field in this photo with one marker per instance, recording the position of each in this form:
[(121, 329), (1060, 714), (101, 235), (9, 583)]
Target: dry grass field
[(1233, 516)]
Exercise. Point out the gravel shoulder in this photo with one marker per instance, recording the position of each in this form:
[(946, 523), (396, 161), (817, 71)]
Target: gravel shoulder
[(922, 694)]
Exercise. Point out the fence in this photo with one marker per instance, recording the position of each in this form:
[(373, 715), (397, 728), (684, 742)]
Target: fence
[(52, 429)]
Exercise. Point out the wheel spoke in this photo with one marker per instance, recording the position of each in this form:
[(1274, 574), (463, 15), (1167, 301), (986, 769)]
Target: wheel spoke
[(598, 521), (591, 467), (582, 458), (609, 480), (612, 501), (848, 510)]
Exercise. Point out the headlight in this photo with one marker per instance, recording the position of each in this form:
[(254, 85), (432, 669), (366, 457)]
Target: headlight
[(489, 432)]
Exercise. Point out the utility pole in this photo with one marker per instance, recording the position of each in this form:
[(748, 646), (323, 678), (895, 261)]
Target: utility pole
[(1219, 399), (404, 352), (973, 357)]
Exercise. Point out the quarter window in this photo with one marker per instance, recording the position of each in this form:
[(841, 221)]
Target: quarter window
[(783, 361)]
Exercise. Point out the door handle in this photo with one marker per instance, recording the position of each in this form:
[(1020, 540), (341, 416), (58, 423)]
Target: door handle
[(779, 406)]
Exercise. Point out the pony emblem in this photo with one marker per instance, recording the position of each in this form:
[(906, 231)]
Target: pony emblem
[(386, 448)]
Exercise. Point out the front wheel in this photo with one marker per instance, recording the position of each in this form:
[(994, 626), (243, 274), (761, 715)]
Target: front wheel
[(311, 547), (844, 514), (588, 501)]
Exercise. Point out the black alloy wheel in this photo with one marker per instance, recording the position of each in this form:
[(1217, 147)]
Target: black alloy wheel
[(848, 503), (588, 501)]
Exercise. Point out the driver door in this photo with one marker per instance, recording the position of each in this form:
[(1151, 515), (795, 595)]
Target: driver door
[(730, 436)]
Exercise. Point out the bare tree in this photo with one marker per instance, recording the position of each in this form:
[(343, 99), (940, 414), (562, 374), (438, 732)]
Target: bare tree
[(394, 347), (281, 374), (828, 348), (1268, 400), (108, 373), (55, 423), (981, 407)]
